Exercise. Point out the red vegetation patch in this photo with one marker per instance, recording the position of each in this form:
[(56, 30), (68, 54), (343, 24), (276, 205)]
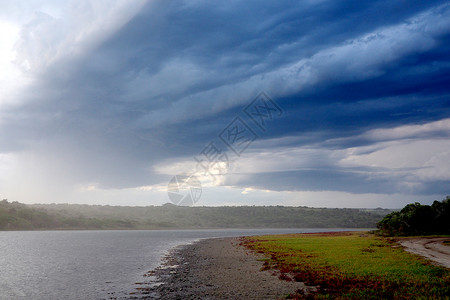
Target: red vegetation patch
[(330, 233), (326, 280)]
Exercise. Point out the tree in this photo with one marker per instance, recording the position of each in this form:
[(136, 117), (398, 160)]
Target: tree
[(416, 219)]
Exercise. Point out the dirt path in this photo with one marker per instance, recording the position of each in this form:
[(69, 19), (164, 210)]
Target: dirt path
[(430, 248)]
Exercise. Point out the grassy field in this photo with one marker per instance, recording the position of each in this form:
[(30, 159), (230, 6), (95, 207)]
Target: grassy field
[(351, 266)]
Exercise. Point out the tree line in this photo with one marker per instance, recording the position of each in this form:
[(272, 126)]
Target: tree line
[(418, 219)]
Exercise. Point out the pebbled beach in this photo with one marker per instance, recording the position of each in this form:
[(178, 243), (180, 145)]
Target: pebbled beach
[(217, 269)]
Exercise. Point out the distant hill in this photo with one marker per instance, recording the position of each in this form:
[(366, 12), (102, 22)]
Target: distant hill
[(17, 216)]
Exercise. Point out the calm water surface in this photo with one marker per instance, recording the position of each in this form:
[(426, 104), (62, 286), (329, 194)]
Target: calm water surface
[(91, 264)]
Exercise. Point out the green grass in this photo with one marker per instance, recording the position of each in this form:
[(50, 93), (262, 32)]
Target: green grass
[(352, 266)]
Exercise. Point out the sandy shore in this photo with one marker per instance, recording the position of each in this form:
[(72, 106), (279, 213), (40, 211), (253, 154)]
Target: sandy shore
[(217, 269)]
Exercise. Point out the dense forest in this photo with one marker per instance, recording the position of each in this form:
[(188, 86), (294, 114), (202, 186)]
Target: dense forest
[(418, 219), (17, 216)]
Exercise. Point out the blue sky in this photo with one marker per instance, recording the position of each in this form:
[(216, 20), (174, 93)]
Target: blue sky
[(103, 102)]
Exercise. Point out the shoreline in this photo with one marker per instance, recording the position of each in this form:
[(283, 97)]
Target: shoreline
[(226, 268), (215, 268)]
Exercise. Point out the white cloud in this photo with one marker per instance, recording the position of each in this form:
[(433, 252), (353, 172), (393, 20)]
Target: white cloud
[(209, 174), (409, 156), (285, 159), (422, 149), (247, 190), (398, 154), (410, 131)]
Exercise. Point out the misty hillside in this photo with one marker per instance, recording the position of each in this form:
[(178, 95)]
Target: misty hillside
[(17, 216)]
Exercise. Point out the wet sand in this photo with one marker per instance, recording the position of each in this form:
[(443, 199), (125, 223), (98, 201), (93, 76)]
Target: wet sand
[(217, 269)]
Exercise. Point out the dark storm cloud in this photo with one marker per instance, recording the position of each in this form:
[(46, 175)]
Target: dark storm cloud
[(169, 80), (359, 181), (322, 180)]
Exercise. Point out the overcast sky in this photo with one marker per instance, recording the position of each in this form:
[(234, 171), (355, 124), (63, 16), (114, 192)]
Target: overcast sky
[(103, 102)]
